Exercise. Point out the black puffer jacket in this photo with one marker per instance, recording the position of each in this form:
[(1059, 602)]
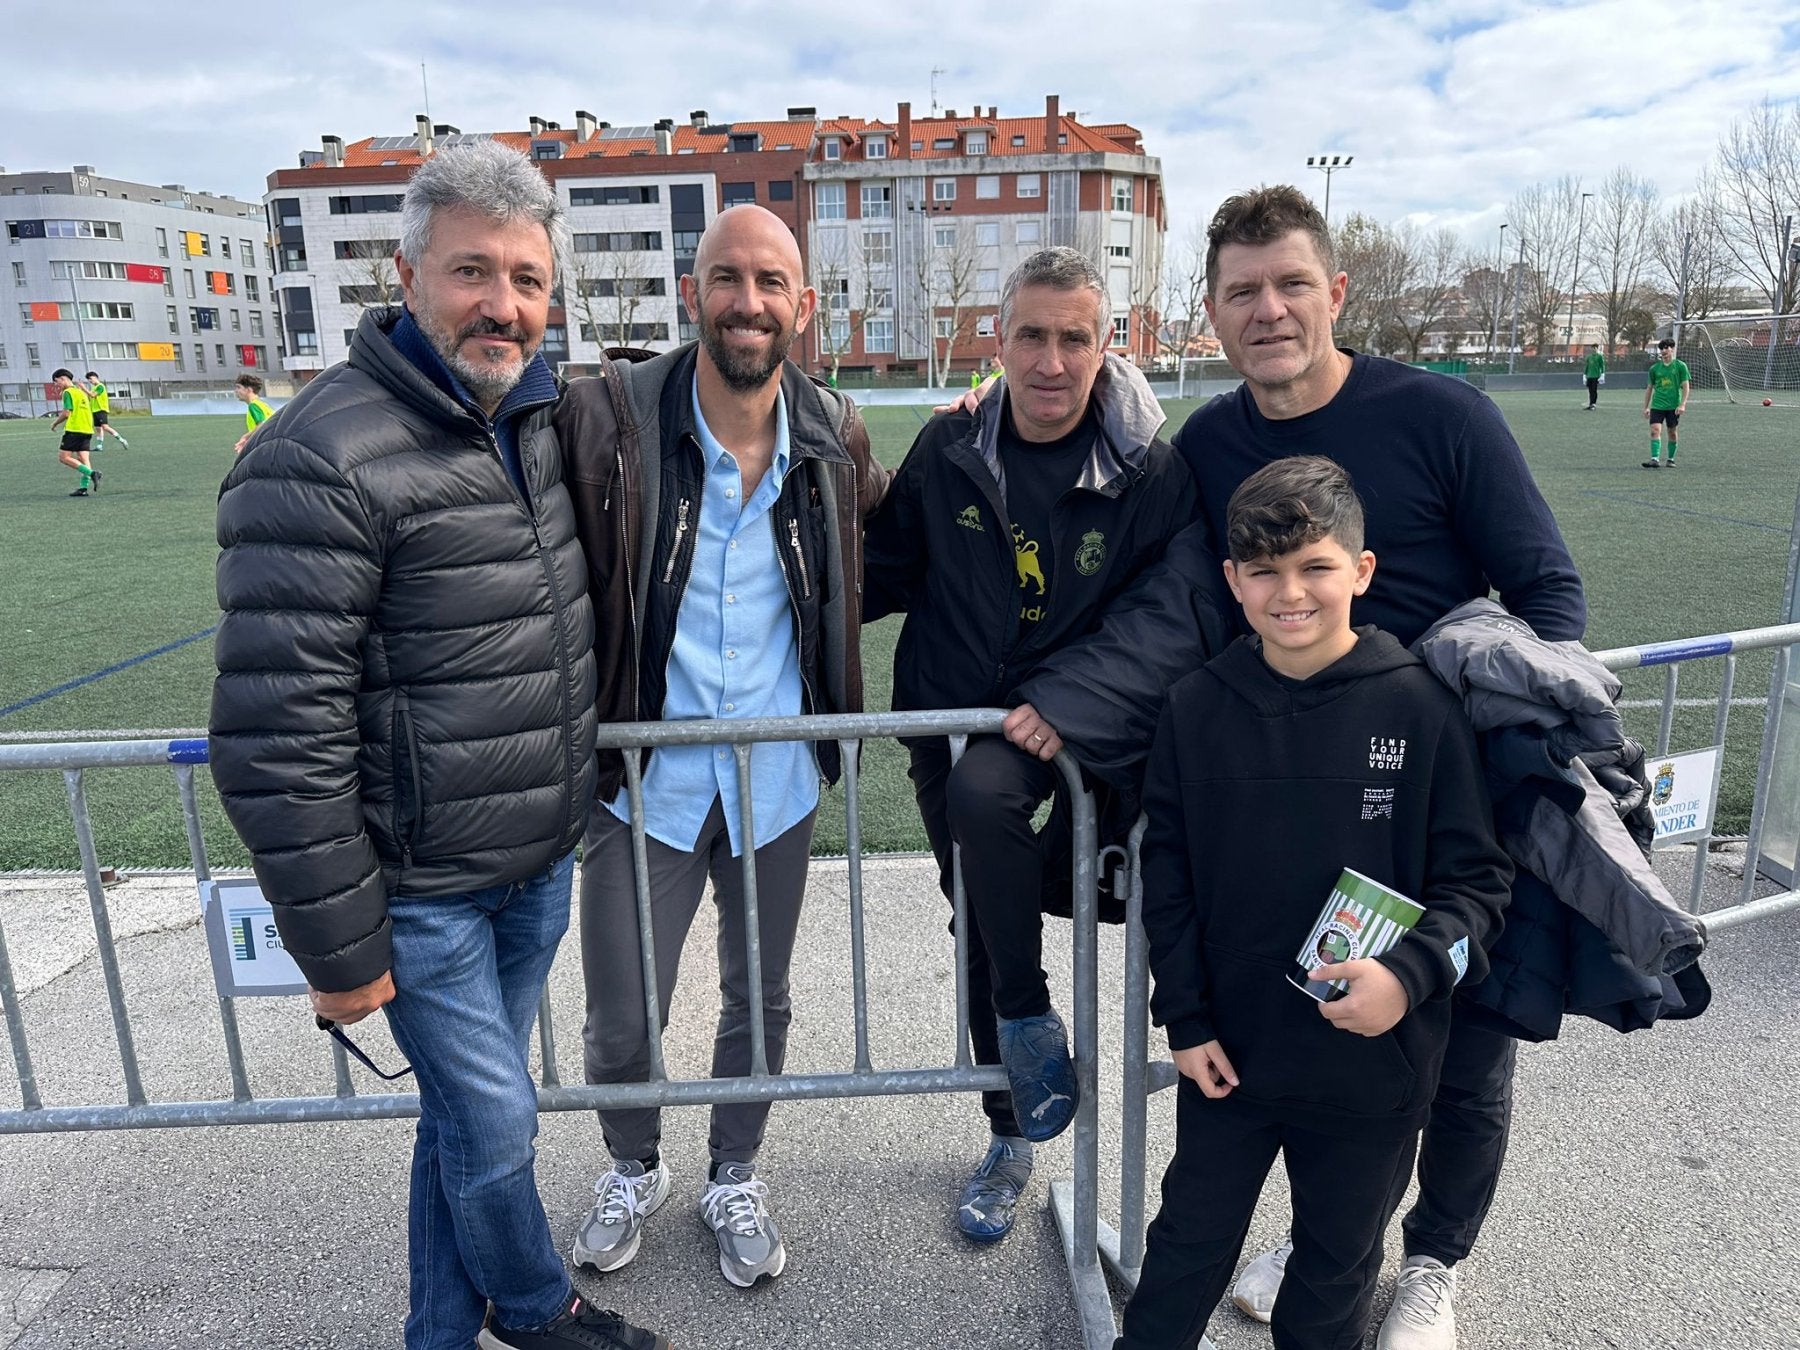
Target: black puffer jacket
[(405, 699)]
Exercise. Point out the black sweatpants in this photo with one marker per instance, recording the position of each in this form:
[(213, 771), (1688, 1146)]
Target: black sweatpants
[(985, 804), (1345, 1189), (1464, 1145), (1593, 392)]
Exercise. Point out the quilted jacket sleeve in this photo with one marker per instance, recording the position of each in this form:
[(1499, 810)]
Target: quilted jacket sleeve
[(299, 577)]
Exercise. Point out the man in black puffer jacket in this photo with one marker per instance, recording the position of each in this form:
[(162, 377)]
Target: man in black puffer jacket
[(403, 722)]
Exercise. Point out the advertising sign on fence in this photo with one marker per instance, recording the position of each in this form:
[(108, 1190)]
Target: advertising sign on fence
[(1683, 790), (247, 956)]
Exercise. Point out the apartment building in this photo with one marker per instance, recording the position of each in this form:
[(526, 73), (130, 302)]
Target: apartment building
[(970, 194), (158, 289)]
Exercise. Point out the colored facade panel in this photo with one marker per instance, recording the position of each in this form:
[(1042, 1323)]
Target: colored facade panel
[(193, 242), (156, 351), (146, 272), (247, 355), (45, 311), (220, 282)]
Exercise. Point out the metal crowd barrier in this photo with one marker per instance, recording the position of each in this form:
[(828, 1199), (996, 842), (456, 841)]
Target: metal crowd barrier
[(1122, 1248), (1074, 1201)]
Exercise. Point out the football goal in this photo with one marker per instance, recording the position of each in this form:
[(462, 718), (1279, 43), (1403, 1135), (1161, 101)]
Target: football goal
[(1742, 359)]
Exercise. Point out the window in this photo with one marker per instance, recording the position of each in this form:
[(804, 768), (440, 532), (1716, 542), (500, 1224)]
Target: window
[(224, 247), (1018, 141), (877, 202), (1121, 196), (975, 143), (647, 194), (25, 316), (201, 317), (941, 143), (1118, 250), (247, 252), (237, 322), (251, 290), (546, 149), (878, 248), (781, 189), (943, 236), (180, 356), (1121, 334), (256, 323), (943, 189), (625, 286), (987, 233), (168, 280), (984, 326), (745, 142), (875, 147), (834, 148), (190, 284), (293, 257), (219, 350), (287, 210), (944, 326), (828, 201), (620, 241), (306, 344), (162, 242), (92, 271), (199, 356), (987, 281), (1029, 185), (637, 332), (19, 270), (106, 309), (2, 356), (64, 229), (687, 242), (174, 318), (358, 250), (737, 194), (382, 204), (1028, 232), (31, 355), (987, 186), (878, 335), (881, 297)]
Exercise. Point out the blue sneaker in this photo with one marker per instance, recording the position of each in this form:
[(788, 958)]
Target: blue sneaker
[(1035, 1051), (985, 1211)]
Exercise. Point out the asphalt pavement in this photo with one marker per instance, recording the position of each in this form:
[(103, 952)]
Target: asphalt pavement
[(1646, 1203)]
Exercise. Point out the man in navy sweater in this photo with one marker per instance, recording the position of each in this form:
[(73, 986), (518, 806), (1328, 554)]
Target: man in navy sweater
[(1452, 512)]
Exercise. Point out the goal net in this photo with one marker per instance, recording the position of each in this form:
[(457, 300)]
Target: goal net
[(1203, 376), (1742, 360)]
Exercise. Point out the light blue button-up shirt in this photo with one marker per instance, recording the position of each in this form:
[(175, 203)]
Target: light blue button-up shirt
[(735, 655)]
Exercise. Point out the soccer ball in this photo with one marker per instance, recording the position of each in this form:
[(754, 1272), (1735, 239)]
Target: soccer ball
[(1768, 403)]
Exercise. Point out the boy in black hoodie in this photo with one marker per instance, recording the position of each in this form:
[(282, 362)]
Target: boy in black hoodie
[(1306, 749)]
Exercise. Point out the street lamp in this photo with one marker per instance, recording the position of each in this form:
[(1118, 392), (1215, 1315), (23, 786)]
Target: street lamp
[(1575, 281), (1512, 343), (1499, 292), (1328, 165)]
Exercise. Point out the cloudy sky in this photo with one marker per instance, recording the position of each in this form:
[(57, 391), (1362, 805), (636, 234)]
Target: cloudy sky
[(1449, 106)]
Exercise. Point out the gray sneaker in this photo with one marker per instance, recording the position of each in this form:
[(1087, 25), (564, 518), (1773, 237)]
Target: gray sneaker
[(1424, 1313), (1257, 1287), (623, 1198), (735, 1206)]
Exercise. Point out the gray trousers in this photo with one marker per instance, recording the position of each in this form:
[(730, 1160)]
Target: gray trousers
[(616, 1042)]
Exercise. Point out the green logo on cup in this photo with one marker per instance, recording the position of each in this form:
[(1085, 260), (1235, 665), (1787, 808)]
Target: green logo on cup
[(1361, 918)]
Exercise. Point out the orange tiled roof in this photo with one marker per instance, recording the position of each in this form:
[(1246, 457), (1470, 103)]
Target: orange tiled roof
[(786, 134)]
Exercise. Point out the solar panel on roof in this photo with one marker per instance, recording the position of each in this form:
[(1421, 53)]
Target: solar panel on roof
[(628, 134), (393, 142), (466, 138)]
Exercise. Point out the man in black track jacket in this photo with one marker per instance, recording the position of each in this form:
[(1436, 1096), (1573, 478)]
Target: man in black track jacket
[(1005, 536)]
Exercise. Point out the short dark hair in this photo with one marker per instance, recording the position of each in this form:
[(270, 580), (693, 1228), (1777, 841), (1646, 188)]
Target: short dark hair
[(93, 374), (62, 373), (1666, 342), (1263, 216), (251, 382), (1291, 503)]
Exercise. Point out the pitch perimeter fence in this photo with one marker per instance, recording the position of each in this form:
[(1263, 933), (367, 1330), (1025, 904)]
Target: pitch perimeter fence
[(1087, 1242)]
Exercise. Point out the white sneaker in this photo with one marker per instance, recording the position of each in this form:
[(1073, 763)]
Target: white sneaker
[(623, 1198), (735, 1206), (1424, 1313), (1256, 1288)]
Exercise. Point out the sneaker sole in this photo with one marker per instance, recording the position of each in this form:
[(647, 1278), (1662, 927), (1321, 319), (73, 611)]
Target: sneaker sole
[(771, 1269), (1249, 1310)]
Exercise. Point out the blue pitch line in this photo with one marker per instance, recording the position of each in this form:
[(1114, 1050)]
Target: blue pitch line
[(126, 664), (1683, 511)]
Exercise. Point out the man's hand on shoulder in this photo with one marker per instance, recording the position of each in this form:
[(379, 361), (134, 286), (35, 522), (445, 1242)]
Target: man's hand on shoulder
[(1031, 733), (349, 1006), (970, 401)]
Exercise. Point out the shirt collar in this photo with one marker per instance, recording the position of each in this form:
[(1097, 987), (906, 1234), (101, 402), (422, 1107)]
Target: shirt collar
[(536, 385), (711, 447)]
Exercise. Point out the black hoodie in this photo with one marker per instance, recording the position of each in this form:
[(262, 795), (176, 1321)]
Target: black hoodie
[(1260, 790)]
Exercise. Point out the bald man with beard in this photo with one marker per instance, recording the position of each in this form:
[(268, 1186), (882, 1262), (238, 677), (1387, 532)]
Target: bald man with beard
[(719, 495)]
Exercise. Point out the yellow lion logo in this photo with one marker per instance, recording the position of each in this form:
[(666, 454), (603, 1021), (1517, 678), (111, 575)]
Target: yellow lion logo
[(1025, 561)]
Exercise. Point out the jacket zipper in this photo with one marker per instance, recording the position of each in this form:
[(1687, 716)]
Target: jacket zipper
[(681, 529), (408, 740), (806, 685), (799, 556)]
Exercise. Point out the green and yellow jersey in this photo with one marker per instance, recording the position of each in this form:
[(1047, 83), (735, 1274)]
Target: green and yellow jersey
[(99, 398), (1666, 379), (256, 412), (80, 412)]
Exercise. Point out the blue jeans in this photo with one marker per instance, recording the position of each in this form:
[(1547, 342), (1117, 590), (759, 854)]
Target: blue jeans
[(468, 971)]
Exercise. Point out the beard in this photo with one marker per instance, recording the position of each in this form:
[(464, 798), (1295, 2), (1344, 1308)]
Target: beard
[(744, 371), (490, 377)]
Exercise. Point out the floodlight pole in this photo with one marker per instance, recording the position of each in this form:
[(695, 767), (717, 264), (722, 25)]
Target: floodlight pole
[(1328, 165), (1499, 292), (1575, 281), (1512, 343)]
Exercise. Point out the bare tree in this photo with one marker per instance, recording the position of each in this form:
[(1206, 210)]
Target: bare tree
[(1546, 216), (948, 274), (1483, 293), (374, 281), (1181, 296), (1380, 273), (845, 296), (1624, 225), (605, 291), (1433, 265), (1752, 187), (1688, 252)]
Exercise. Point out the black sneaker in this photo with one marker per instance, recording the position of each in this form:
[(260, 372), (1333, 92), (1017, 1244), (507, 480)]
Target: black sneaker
[(79, 492), (581, 1327), (1653, 464)]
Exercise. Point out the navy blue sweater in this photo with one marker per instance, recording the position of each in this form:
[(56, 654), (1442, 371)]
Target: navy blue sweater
[(1452, 511)]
